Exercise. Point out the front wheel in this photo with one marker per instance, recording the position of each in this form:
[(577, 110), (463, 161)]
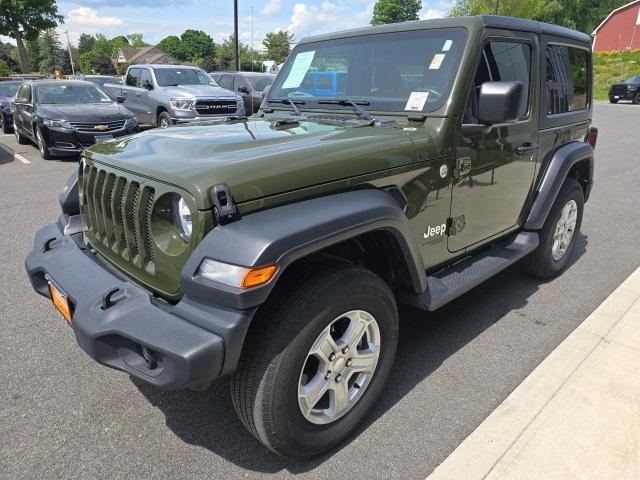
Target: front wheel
[(164, 120), (636, 99), (42, 145), (559, 233), (613, 100), (316, 361), (19, 137)]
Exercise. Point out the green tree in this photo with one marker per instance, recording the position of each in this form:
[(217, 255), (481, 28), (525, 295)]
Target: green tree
[(33, 52), (118, 42), (392, 11), (86, 62), (173, 46), (196, 44), (136, 41), (278, 45), (24, 20), (103, 45), (51, 52), (102, 65), (86, 42), (5, 71)]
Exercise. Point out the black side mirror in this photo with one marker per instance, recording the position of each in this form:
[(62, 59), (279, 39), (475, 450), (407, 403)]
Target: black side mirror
[(20, 101), (243, 89), (120, 99), (499, 102)]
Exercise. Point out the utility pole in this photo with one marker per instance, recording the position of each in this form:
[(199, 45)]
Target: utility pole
[(235, 33), (73, 69)]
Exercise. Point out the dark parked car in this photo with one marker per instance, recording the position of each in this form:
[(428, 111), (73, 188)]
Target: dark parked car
[(64, 117), (252, 87), (7, 90), (629, 89)]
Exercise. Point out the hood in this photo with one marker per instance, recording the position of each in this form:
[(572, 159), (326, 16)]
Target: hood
[(82, 112), (258, 158), (198, 91)]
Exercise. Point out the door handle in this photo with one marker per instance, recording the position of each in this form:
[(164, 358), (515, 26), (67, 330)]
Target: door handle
[(526, 147)]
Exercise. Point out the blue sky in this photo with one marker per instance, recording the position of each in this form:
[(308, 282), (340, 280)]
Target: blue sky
[(158, 18)]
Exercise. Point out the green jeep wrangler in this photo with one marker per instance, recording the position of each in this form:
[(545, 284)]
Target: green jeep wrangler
[(401, 163)]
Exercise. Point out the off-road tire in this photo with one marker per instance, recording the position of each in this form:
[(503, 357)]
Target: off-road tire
[(540, 262), (264, 387), (164, 118), (21, 139)]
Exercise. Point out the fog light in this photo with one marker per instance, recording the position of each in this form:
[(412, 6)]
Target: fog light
[(236, 276)]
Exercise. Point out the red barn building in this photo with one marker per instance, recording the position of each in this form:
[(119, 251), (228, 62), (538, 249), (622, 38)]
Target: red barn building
[(620, 30)]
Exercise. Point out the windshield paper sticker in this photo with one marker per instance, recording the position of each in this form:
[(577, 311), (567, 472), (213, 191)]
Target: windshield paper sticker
[(438, 58), (299, 69), (447, 46), (416, 101)]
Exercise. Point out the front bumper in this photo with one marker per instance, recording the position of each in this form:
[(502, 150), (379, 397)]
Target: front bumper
[(121, 325), (65, 141), (622, 94)]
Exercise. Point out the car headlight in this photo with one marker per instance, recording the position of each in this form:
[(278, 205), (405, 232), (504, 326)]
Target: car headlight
[(181, 103), (57, 123), (182, 218)]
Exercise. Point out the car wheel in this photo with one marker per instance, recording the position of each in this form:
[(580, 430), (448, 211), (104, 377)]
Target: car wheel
[(316, 360), (42, 145), (164, 120), (19, 137), (559, 233), (636, 99), (613, 100), (3, 124)]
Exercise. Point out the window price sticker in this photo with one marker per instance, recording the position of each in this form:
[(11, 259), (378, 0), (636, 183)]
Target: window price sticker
[(438, 58), (416, 101)]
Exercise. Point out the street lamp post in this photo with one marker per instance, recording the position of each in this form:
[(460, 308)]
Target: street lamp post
[(235, 34)]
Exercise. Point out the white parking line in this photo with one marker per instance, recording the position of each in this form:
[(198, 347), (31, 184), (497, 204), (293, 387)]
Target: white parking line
[(20, 158)]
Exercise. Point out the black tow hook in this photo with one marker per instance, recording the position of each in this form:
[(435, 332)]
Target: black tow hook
[(109, 299)]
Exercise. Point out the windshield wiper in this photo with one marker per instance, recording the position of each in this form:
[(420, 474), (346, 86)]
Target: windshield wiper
[(287, 101), (355, 104)]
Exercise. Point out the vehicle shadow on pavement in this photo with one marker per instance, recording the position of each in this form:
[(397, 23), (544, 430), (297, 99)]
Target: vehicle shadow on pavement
[(6, 155), (207, 418)]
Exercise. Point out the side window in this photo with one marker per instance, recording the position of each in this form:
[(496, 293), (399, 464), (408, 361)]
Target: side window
[(566, 81), (509, 61), (239, 82), (133, 76), (502, 61), (226, 81), (145, 76)]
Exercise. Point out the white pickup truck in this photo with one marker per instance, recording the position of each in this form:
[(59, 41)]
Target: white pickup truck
[(163, 95)]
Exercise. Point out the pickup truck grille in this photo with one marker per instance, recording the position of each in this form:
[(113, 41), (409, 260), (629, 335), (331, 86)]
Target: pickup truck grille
[(99, 127), (216, 107), (117, 214)]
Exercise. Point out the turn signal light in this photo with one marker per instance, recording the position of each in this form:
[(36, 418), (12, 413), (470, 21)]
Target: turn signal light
[(258, 276)]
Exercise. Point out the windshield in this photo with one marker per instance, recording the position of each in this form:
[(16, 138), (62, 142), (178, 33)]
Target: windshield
[(171, 77), (9, 89), (71, 93), (260, 82), (634, 79), (394, 72)]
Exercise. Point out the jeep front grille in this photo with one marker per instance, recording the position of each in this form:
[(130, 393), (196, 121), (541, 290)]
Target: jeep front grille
[(117, 214)]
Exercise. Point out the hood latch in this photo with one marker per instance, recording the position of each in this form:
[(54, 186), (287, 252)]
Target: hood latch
[(224, 206)]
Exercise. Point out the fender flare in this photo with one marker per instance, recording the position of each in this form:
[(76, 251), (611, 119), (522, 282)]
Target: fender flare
[(559, 167), (290, 232)]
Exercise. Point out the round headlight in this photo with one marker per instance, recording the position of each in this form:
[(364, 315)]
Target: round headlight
[(182, 218)]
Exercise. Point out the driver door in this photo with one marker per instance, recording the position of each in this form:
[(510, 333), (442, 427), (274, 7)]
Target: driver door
[(494, 171)]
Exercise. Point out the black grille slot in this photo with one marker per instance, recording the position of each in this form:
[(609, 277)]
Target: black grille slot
[(117, 214), (216, 107)]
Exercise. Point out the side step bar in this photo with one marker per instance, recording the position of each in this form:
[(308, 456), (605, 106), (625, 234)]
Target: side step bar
[(452, 282)]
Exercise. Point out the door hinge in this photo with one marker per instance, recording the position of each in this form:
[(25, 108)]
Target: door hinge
[(463, 167), (455, 225)]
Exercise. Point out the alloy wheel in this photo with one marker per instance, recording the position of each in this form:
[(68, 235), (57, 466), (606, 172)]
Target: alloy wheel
[(565, 228), (339, 367)]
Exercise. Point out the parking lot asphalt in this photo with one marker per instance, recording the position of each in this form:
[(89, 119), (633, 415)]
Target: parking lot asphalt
[(63, 415)]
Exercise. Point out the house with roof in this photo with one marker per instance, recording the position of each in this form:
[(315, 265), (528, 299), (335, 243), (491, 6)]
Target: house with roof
[(620, 30), (151, 54)]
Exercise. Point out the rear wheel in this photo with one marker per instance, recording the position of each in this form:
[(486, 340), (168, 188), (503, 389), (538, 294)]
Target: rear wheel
[(316, 360), (559, 233), (164, 120), (21, 139)]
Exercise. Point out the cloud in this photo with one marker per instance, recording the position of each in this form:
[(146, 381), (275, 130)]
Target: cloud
[(431, 13), (132, 3), (307, 19), (272, 7), (90, 17)]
